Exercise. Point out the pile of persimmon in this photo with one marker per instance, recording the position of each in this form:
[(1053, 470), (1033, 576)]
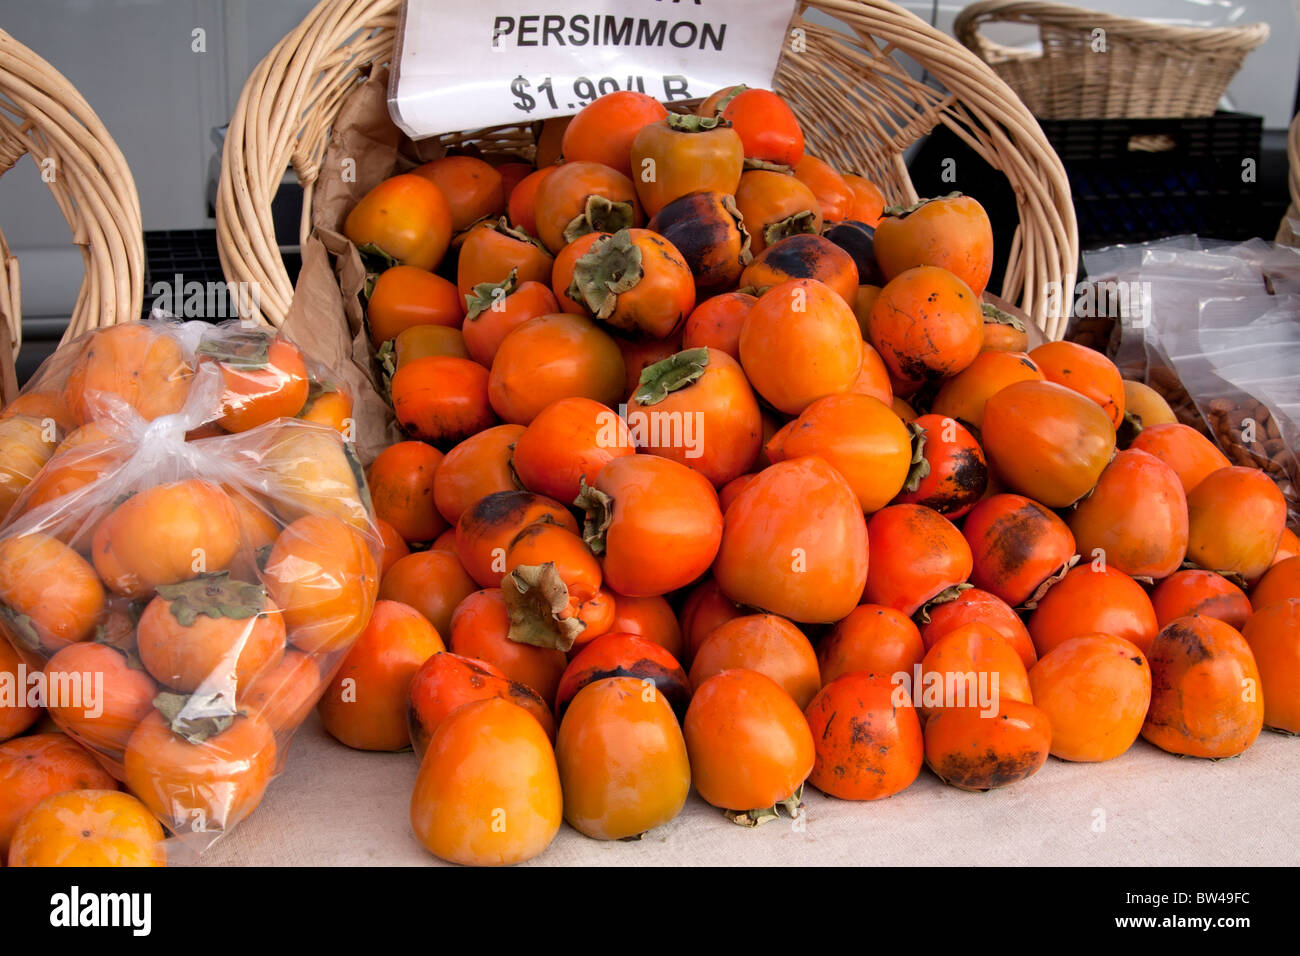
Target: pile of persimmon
[(178, 578)]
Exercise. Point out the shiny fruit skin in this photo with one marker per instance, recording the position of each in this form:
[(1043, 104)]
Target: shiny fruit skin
[(1273, 634), (622, 760), (867, 737), (88, 828), (488, 790), (1095, 690), (972, 752)]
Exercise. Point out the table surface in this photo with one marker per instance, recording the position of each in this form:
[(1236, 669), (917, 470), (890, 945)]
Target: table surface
[(338, 807)]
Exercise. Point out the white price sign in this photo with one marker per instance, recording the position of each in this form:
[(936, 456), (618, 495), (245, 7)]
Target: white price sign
[(488, 63)]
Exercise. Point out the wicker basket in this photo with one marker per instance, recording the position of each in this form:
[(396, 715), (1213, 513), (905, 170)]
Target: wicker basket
[(1285, 234), (42, 114), (1146, 70), (859, 106)]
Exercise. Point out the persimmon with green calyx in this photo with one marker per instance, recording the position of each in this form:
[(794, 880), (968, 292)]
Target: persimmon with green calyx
[(707, 388), (654, 523), (636, 281), (582, 197), (683, 154), (212, 631), (492, 251)]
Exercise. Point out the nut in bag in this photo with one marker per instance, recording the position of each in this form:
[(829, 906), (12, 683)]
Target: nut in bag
[(188, 567)]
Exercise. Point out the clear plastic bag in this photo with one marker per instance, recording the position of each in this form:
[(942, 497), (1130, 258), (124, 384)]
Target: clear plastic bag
[(186, 591)]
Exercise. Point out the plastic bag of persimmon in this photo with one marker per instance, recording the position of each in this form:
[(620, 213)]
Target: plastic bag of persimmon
[(185, 572)]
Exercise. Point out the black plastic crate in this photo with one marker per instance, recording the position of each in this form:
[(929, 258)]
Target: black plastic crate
[(1138, 179), (176, 257)]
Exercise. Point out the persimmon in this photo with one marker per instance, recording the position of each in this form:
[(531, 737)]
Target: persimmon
[(211, 631), (265, 378), (494, 254), (405, 217), (716, 322), (605, 130), (1085, 371), (622, 760), (488, 790), (581, 197), (88, 828), (1205, 690), (951, 475), (765, 123), (975, 605), (140, 364), (800, 342), (282, 696), (322, 574), (1145, 407), (1095, 690), (970, 666), (331, 407), (313, 472), (691, 395), (1136, 516), (622, 654), (1003, 332), (16, 714), (479, 466), (446, 682), (765, 643), (51, 595), (872, 638), (867, 738), (432, 582), (774, 206), (952, 232), (706, 228), (567, 443), (833, 192), (480, 628), (442, 399), (1046, 441), (42, 403), (1273, 633), (926, 324), (965, 395), (858, 240), (552, 357), (654, 523), (1189, 453), (1193, 591), (640, 354), (868, 201), (681, 154), (550, 140), (401, 480), (633, 280), (364, 706), (421, 341), (496, 310), (1279, 583), (40, 765), (706, 608), (552, 587), (207, 783), (750, 747), (651, 618), (1017, 545), (970, 751), (405, 297), (916, 554), (521, 206), (471, 187), (803, 257), (732, 489), (874, 380), (795, 543), (1236, 517), (1093, 598), (164, 535), (394, 546), (485, 531), (26, 444)]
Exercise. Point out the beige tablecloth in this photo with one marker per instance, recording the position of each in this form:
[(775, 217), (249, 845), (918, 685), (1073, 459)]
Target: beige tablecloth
[(338, 807)]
